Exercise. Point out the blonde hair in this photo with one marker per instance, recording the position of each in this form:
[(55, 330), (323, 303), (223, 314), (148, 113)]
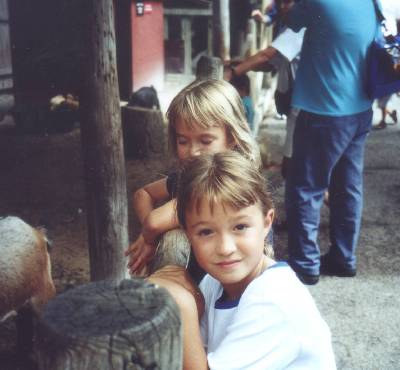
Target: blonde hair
[(225, 178), (213, 103)]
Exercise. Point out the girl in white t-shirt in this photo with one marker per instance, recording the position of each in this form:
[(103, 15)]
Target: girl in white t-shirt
[(258, 315)]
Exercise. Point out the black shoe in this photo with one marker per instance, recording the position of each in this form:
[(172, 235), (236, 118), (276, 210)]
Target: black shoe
[(307, 279), (381, 125), (331, 268)]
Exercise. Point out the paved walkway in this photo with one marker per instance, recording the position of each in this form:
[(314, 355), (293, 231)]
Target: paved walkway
[(363, 312)]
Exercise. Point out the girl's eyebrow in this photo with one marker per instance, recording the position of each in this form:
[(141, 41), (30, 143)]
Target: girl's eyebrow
[(200, 223), (240, 218)]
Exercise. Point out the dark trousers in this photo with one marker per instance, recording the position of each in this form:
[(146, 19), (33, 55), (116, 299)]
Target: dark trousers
[(328, 154)]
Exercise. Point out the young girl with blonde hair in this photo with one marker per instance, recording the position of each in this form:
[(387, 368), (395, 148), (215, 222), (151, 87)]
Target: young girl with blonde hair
[(205, 117), (257, 315)]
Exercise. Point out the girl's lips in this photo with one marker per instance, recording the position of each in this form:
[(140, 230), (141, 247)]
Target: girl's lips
[(228, 264)]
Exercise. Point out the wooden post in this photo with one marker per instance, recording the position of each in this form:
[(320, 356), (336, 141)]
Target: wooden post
[(209, 68), (173, 249), (221, 29), (106, 325), (186, 30), (102, 147), (144, 132)]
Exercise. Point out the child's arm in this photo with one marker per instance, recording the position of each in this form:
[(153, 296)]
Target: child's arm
[(146, 197), (159, 221), (155, 221), (191, 305)]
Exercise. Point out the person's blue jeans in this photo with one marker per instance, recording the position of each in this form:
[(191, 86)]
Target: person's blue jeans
[(328, 154)]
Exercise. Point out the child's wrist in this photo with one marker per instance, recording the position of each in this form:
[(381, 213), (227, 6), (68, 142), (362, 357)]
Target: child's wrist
[(149, 237)]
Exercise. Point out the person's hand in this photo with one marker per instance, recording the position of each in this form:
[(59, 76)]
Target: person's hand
[(227, 73), (257, 15), (140, 254)]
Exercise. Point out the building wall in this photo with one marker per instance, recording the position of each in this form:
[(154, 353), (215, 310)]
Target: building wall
[(148, 46)]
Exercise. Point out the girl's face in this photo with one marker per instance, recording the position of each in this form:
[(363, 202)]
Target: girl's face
[(229, 243), (195, 140)]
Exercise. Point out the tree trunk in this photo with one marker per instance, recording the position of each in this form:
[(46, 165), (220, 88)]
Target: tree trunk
[(209, 68), (102, 148), (105, 325), (144, 132), (221, 29)]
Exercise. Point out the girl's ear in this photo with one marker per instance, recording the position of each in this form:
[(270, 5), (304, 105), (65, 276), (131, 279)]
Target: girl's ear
[(268, 219)]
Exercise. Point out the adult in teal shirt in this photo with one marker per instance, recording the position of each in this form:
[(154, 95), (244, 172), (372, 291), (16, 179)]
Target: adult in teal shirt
[(330, 133)]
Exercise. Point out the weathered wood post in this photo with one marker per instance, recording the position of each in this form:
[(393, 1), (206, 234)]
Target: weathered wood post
[(173, 249), (107, 325), (144, 132), (102, 147), (209, 68), (221, 29)]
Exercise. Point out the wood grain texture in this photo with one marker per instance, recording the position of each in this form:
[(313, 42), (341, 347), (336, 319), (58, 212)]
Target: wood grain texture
[(102, 147), (209, 68), (144, 132), (109, 325)]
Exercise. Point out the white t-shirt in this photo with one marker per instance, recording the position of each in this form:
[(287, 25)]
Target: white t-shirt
[(391, 11), (289, 43), (274, 325)]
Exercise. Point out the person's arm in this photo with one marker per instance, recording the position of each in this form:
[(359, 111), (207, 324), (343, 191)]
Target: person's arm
[(256, 62), (186, 294), (146, 197), (160, 220), (155, 221)]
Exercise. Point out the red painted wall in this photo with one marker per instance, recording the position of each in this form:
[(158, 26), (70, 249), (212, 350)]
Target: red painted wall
[(148, 46)]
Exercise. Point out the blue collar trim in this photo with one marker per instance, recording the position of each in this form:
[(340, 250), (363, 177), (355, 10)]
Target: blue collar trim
[(223, 305)]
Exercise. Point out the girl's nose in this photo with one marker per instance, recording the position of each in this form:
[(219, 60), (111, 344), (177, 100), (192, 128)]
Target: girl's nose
[(226, 245), (195, 150)]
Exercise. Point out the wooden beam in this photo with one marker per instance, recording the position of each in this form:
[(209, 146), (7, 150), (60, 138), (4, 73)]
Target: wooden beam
[(186, 29), (106, 193), (188, 12), (221, 29)]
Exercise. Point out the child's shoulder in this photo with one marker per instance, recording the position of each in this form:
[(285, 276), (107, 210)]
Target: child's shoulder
[(276, 280)]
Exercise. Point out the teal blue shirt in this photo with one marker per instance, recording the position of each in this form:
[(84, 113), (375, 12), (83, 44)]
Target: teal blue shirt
[(331, 76), (249, 110)]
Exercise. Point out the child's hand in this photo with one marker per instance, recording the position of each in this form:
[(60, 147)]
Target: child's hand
[(140, 253)]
